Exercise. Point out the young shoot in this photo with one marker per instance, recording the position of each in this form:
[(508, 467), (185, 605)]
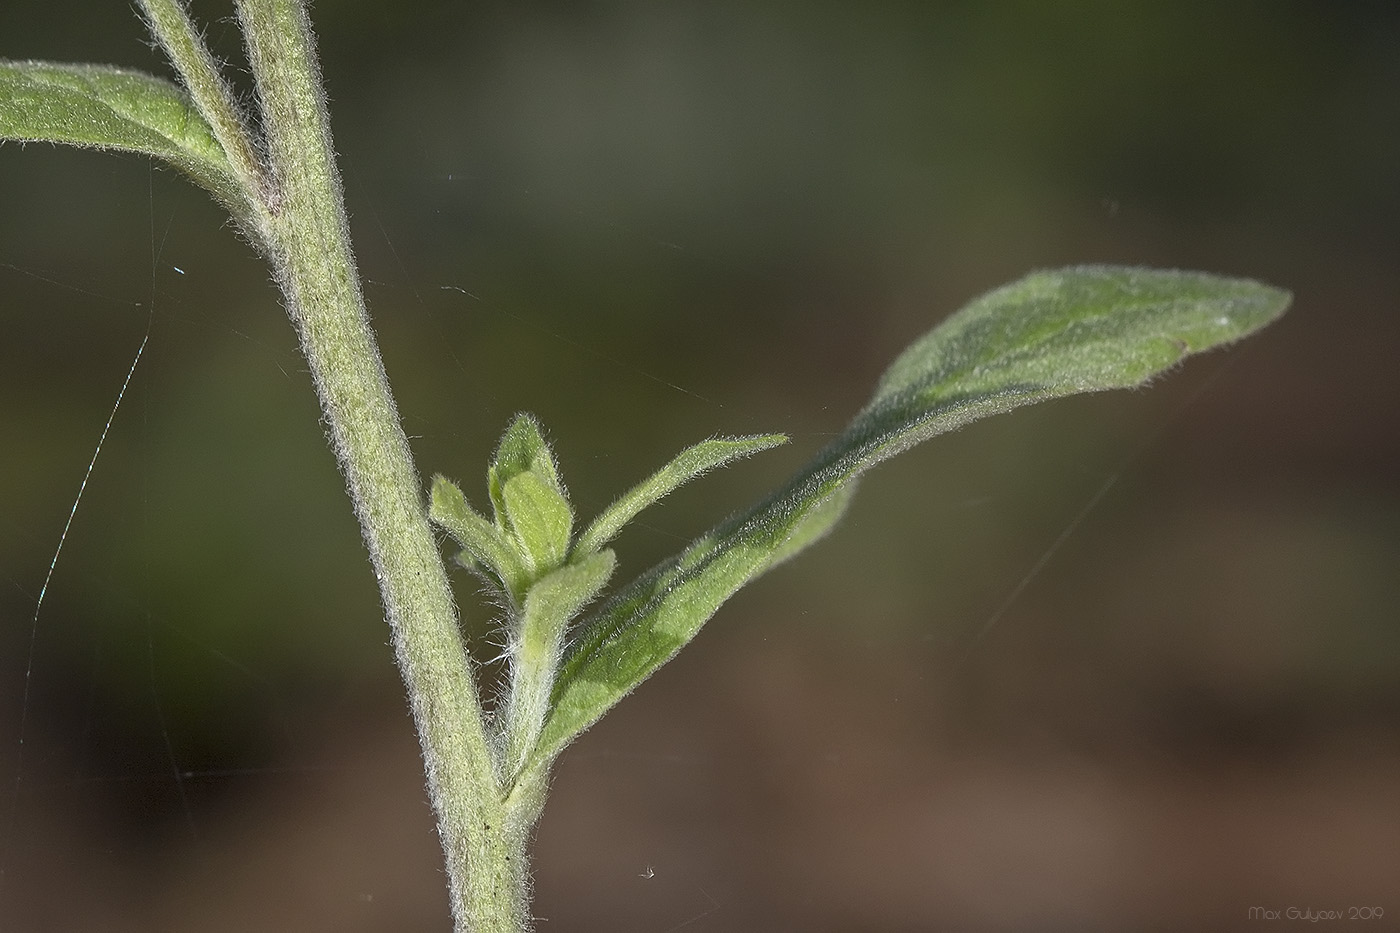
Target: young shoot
[(544, 577)]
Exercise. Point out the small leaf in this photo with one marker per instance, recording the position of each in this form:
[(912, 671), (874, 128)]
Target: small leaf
[(479, 538), (1050, 334), (558, 596), (540, 518), (522, 449), (97, 106), (687, 465), (550, 604)]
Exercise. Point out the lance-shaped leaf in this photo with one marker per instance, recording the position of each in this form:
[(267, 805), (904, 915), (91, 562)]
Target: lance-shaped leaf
[(540, 519), (556, 598), (550, 604), (687, 465), (1050, 334), (482, 541), (522, 449), (96, 106)]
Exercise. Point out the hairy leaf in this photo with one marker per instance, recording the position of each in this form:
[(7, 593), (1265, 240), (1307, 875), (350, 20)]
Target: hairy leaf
[(687, 465), (101, 107), (557, 597), (482, 541), (1050, 334), (522, 449), (549, 605), (540, 518)]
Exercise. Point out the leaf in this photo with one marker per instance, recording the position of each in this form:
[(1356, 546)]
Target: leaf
[(557, 597), (814, 524), (687, 465), (549, 605), (1050, 334), (522, 449), (479, 538), (540, 518), (96, 106)]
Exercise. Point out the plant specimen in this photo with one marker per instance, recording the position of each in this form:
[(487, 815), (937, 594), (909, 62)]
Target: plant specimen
[(571, 652)]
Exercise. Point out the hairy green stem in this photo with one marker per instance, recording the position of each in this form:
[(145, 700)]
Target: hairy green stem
[(171, 25), (532, 667), (308, 240)]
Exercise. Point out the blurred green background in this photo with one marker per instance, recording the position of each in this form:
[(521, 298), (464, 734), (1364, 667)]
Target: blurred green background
[(1125, 661)]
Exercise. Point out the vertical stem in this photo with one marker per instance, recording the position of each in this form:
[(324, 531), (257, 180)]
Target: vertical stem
[(171, 25), (484, 841)]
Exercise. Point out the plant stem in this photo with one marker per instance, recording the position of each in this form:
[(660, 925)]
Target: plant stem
[(484, 839), (171, 25)]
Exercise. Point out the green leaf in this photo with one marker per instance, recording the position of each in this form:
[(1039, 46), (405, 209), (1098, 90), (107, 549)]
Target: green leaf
[(478, 538), (687, 465), (550, 604), (522, 450), (540, 518), (100, 107), (814, 524), (558, 596), (1051, 334), (1048, 335)]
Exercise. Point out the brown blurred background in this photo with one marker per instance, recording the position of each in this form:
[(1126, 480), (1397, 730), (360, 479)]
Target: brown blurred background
[(649, 223)]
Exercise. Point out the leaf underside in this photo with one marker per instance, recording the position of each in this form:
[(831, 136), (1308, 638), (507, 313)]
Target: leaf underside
[(96, 106), (1051, 334)]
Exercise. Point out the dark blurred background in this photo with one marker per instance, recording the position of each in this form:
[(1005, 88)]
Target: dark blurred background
[(1123, 661)]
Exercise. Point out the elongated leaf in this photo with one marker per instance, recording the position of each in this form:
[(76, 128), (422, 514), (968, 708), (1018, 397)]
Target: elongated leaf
[(481, 540), (1050, 334), (540, 518), (96, 106), (686, 466), (558, 597), (549, 605), (521, 449)]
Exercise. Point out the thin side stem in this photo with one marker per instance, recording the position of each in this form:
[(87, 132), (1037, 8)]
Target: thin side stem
[(532, 669), (171, 25), (483, 839)]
